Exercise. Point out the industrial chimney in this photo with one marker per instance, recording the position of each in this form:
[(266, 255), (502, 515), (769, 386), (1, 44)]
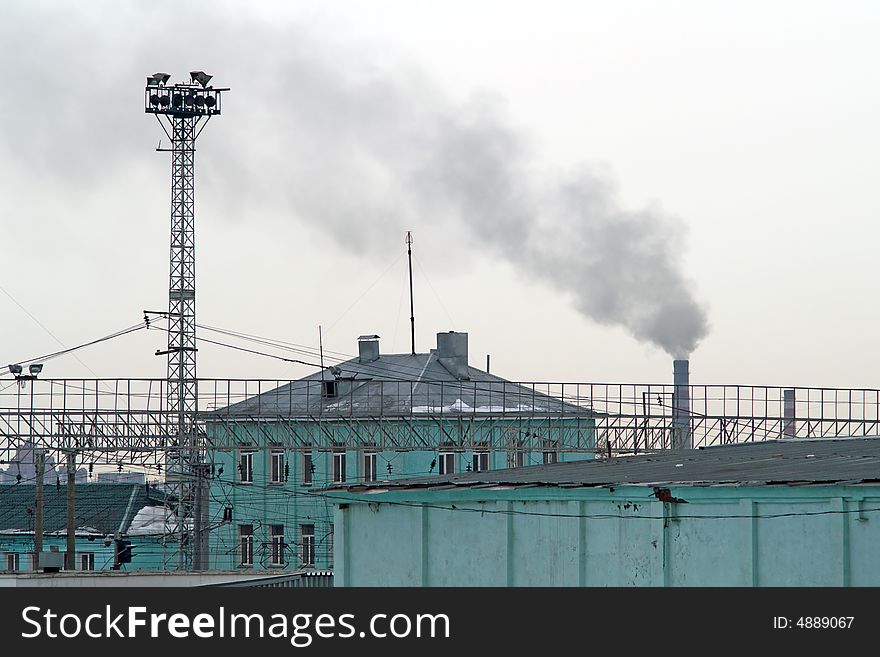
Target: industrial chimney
[(682, 436)]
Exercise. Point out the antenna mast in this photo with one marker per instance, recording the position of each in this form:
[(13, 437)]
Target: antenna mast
[(412, 314), (183, 110)]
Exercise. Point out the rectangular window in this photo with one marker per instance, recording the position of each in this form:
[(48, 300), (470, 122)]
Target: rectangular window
[(550, 457), (246, 466), (447, 463), (276, 456), (369, 469), (276, 545), (87, 561), (481, 461), (308, 469), (338, 467), (516, 458), (307, 544), (11, 561), (246, 545), (328, 389)]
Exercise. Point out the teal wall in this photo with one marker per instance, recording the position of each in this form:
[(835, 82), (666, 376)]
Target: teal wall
[(148, 552), (783, 536), (292, 504)]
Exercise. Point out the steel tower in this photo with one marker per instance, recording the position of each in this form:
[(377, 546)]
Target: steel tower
[(183, 110)]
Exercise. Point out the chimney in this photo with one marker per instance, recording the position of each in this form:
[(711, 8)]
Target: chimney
[(452, 352), (368, 348), (789, 428), (682, 437)]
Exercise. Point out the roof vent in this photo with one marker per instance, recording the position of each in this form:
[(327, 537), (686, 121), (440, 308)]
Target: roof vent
[(452, 353), (368, 348)]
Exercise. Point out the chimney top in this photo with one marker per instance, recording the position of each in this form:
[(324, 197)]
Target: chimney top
[(452, 353), (368, 348)]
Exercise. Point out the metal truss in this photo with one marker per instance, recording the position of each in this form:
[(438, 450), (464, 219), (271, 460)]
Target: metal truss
[(129, 421)]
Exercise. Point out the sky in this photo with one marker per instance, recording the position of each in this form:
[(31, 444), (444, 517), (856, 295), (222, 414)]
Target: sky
[(593, 188)]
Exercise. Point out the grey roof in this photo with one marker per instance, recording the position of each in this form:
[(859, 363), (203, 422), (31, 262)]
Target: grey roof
[(850, 460), (401, 385), (99, 507)]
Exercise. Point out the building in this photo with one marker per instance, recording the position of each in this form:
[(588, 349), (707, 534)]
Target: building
[(777, 513), (372, 418), (104, 513)]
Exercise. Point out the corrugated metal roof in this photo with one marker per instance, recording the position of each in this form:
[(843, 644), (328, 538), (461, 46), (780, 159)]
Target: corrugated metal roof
[(400, 384), (100, 507), (853, 460)]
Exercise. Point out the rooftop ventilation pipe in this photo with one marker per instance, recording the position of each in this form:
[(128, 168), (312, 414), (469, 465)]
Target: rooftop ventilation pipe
[(368, 348), (682, 435), (452, 353)]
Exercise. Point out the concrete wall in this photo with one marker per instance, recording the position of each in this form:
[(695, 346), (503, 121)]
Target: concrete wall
[(723, 536)]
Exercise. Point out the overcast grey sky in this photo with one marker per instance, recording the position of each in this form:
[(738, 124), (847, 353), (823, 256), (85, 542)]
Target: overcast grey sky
[(657, 175)]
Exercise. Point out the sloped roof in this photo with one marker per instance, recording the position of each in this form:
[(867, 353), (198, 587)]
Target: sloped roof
[(811, 461), (103, 508), (401, 385)]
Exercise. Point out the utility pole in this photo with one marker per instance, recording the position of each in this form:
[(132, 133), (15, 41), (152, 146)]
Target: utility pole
[(412, 314), (200, 517), (186, 108), (39, 466), (71, 510)]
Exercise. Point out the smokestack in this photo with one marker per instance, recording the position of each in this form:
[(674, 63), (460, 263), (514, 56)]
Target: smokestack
[(788, 423), (682, 437), (452, 353), (368, 348)]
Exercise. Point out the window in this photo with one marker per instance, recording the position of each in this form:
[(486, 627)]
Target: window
[(11, 561), (369, 469), (481, 461), (447, 463), (338, 467), (308, 469), (276, 545), (307, 544), (328, 389), (551, 455), (246, 545), (246, 466), (517, 457), (87, 561), (330, 548), (276, 457)]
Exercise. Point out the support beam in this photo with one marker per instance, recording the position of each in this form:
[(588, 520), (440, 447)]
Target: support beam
[(71, 511), (39, 467)]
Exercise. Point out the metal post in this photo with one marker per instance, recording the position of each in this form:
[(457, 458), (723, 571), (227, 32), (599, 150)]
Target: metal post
[(71, 511), (201, 473), (789, 429), (412, 313), (186, 107), (39, 467)]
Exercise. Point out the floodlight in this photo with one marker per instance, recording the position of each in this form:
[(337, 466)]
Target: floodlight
[(210, 101), (164, 100), (199, 100), (177, 100), (15, 369), (154, 99), (201, 77), (188, 99), (35, 368), (161, 78)]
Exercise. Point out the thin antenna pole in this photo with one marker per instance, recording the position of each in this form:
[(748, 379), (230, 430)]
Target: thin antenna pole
[(412, 314), (321, 349)]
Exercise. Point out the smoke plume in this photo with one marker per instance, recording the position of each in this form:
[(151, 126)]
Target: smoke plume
[(349, 138)]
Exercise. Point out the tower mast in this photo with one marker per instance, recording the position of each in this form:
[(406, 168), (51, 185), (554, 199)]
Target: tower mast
[(182, 110), (412, 314)]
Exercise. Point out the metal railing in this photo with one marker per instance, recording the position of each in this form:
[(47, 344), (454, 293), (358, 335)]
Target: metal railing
[(114, 418)]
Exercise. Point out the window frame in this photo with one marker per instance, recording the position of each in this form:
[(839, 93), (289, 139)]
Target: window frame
[(369, 466), (276, 545), (276, 453), (308, 461), (479, 457), (246, 544), (443, 461), (246, 475), (338, 466), (307, 544), (14, 558), (86, 560)]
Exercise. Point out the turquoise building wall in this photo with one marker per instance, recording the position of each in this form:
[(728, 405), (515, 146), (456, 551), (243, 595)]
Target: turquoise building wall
[(620, 536), (148, 551), (292, 503)]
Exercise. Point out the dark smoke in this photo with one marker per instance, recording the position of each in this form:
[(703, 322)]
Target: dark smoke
[(347, 138)]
